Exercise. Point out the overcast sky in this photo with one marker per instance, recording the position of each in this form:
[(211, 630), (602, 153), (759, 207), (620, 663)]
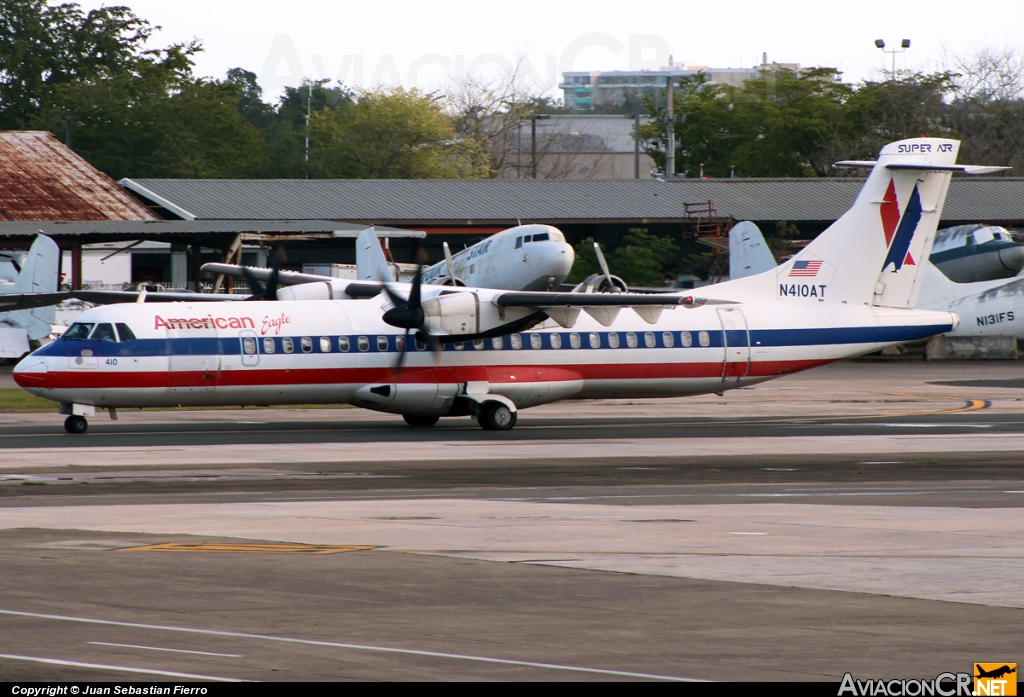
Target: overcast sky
[(419, 43)]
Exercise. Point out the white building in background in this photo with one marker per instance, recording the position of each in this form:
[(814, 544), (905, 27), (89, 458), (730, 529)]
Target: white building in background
[(623, 90)]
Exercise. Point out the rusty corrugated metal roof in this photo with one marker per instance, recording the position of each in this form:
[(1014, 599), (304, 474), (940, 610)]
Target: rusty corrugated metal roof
[(42, 180)]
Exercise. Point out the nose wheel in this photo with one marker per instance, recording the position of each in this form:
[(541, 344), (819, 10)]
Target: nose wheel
[(76, 425)]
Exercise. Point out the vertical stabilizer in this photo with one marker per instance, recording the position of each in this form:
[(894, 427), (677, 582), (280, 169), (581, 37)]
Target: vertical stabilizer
[(874, 254), (370, 262), (748, 252), (39, 274)]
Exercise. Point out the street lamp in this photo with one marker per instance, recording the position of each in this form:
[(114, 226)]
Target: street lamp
[(905, 44)]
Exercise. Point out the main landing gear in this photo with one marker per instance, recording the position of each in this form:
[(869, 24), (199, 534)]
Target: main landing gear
[(495, 416), (76, 424)]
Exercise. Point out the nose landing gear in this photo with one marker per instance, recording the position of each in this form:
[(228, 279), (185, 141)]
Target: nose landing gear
[(76, 424)]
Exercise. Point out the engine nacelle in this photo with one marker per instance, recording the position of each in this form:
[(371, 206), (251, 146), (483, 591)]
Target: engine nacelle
[(599, 284), (461, 314)]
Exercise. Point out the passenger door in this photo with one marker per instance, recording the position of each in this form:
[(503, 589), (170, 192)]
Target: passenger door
[(195, 360), (736, 359)]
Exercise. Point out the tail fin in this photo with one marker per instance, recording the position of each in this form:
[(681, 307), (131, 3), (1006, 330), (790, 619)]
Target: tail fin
[(748, 253), (874, 253), (370, 262), (39, 274)]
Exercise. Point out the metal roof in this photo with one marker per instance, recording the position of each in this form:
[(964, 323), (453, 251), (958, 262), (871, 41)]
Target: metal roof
[(41, 179), (503, 201), (208, 232)]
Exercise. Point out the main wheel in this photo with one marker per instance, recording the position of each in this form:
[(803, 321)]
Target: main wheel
[(497, 417), (420, 420), (76, 424)]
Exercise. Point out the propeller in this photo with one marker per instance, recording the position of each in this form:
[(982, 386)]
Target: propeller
[(259, 291), (407, 313)]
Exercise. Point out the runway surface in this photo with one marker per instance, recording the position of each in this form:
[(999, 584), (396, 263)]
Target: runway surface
[(864, 517)]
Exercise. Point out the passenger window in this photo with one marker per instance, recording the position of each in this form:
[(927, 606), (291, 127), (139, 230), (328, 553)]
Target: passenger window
[(536, 341), (78, 332), (556, 341), (595, 340), (631, 340), (306, 343), (420, 345), (540, 237), (104, 332), (705, 340), (325, 345), (574, 340), (687, 339), (460, 345), (649, 340), (249, 345), (382, 343), (364, 344), (519, 242), (400, 343), (497, 343), (478, 345), (287, 345), (667, 339), (124, 333), (613, 339), (516, 341), (343, 344), (268, 345)]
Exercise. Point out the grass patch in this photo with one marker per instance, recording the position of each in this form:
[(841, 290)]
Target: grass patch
[(16, 400)]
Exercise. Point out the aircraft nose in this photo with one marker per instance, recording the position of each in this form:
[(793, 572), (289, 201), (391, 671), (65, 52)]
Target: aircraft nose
[(1012, 258), (31, 372)]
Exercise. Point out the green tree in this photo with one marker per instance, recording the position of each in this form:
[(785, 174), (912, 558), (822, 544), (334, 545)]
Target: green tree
[(43, 48), (392, 134), (642, 259)]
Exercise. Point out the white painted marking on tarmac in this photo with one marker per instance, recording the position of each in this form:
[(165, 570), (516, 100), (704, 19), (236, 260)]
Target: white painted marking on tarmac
[(126, 669), (748, 533), (333, 644), (160, 648)]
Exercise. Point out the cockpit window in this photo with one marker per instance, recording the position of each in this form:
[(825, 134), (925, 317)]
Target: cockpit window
[(527, 238), (541, 237), (104, 332), (79, 331), (124, 332), (519, 242)]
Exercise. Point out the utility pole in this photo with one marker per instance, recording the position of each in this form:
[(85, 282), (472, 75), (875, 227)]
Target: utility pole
[(670, 129), (67, 119), (636, 146), (309, 112)]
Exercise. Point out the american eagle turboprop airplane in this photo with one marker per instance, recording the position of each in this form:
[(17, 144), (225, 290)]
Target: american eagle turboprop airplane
[(488, 353)]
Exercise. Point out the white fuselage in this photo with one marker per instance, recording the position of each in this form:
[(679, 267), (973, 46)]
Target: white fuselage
[(526, 257), (340, 351)]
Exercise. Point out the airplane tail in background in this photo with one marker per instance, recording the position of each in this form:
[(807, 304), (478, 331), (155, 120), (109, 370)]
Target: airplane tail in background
[(370, 262), (748, 252), (39, 274), (874, 253)]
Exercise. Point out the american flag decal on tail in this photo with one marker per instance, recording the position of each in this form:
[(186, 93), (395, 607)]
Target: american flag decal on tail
[(806, 268)]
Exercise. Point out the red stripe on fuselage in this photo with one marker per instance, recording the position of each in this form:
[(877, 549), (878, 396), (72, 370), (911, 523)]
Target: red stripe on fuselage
[(254, 377)]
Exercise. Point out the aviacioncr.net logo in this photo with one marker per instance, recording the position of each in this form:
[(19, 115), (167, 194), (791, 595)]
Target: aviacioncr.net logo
[(943, 685)]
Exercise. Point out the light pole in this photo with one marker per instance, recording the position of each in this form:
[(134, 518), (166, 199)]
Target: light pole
[(905, 44), (67, 119), (533, 141)]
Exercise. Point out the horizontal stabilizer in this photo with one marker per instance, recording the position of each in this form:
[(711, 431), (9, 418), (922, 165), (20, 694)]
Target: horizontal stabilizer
[(924, 167)]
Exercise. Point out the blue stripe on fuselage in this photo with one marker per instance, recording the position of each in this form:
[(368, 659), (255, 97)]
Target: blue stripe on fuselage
[(211, 346)]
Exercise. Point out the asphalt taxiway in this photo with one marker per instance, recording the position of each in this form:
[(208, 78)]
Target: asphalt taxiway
[(864, 517)]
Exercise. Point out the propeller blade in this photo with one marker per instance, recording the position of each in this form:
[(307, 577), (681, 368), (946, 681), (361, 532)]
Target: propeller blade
[(397, 370), (449, 263), (255, 287), (270, 292), (604, 268)]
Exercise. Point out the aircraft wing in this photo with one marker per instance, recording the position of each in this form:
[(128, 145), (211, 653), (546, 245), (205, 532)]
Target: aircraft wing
[(583, 300), (25, 301), (285, 278)]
